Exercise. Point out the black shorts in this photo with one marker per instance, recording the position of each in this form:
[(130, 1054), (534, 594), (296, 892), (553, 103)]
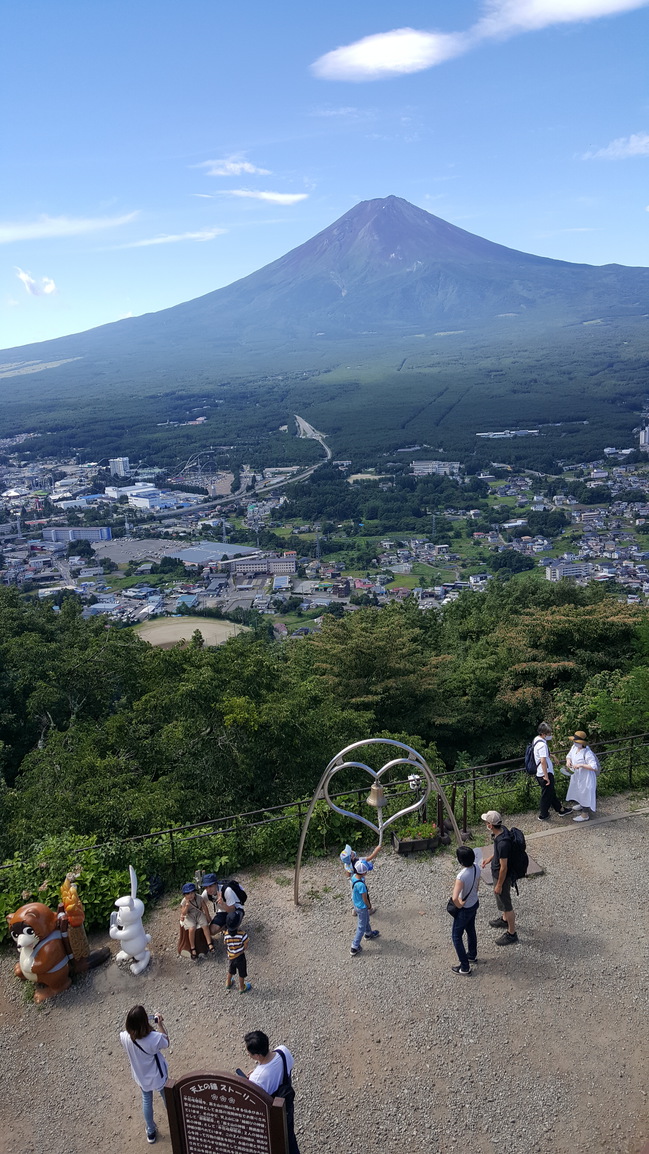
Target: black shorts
[(504, 899), (220, 919), (238, 966)]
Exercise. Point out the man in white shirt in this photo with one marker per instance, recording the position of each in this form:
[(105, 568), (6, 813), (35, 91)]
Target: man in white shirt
[(273, 1070), (545, 774)]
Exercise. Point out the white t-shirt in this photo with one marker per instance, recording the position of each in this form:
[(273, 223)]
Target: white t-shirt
[(270, 1075), (541, 750), (582, 754), (470, 878), (149, 1074)]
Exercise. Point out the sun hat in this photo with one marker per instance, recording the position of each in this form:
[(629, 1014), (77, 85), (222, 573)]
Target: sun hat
[(579, 735), (210, 880), (493, 817), (189, 888)]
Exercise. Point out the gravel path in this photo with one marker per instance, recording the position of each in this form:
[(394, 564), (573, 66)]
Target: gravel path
[(543, 1050)]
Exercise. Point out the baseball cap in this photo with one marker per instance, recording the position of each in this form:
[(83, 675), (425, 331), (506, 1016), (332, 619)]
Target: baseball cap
[(210, 880), (493, 817), (189, 888), (362, 867)]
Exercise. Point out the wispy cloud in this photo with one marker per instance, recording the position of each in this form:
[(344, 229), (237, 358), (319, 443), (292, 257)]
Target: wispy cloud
[(273, 197), (621, 149), (405, 50), (345, 113), (35, 288), (173, 238), (232, 166), (57, 226)]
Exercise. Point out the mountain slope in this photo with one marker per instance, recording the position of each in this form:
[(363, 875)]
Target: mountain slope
[(385, 264)]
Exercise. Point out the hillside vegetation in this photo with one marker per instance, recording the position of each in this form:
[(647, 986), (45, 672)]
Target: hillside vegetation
[(105, 735)]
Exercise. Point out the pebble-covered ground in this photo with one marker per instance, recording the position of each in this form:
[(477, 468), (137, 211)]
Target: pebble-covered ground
[(544, 1048)]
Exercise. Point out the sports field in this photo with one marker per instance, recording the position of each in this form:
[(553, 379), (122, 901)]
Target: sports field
[(168, 631)]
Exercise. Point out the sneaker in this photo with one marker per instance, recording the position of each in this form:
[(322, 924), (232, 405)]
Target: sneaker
[(539, 818), (564, 812), (248, 986), (355, 950), (507, 939), (497, 923), (577, 808), (372, 934), (459, 970), (153, 1137), (582, 817)]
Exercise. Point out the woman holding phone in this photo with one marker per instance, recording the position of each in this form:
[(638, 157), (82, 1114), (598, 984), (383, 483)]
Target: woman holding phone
[(143, 1041)]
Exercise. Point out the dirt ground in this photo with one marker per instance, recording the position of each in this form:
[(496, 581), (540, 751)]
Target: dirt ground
[(544, 1049), (166, 632)]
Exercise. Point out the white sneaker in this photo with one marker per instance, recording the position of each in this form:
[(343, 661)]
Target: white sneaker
[(577, 808), (581, 817)]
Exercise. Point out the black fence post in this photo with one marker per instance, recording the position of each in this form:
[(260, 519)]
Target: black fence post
[(172, 851), (631, 753), (474, 804), (464, 813)]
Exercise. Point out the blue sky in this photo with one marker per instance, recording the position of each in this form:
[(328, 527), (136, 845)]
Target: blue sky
[(155, 152)]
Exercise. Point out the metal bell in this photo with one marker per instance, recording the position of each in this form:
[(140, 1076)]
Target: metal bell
[(377, 797)]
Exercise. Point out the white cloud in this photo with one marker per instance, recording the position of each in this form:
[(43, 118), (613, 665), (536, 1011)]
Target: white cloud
[(169, 238), (45, 288), (406, 50), (621, 149), (388, 54), (273, 197), (232, 166), (56, 226), (506, 17)]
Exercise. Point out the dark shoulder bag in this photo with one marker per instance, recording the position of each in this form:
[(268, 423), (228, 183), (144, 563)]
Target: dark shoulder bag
[(451, 907), (285, 1089)]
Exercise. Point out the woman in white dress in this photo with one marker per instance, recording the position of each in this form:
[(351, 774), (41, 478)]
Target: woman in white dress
[(583, 768)]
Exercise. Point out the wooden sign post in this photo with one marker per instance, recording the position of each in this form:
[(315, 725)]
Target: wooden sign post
[(224, 1114)]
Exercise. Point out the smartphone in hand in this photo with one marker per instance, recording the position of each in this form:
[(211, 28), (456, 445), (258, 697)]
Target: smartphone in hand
[(241, 1073)]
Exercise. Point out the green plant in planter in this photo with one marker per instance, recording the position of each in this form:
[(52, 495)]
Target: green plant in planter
[(417, 830)]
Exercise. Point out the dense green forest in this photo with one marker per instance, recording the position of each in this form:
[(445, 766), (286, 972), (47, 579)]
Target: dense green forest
[(101, 734)]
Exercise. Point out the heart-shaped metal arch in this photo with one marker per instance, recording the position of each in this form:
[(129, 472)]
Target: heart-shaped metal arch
[(412, 759), (376, 775)]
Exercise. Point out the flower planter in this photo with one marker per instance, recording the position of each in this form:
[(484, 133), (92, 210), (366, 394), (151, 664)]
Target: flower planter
[(409, 845)]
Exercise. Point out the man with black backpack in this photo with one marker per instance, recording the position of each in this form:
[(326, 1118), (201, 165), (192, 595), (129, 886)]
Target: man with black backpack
[(226, 899), (508, 864), (273, 1073)]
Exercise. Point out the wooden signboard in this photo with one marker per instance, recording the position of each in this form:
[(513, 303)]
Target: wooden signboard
[(224, 1114)]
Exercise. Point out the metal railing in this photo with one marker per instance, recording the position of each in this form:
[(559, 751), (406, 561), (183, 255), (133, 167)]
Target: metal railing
[(465, 780)]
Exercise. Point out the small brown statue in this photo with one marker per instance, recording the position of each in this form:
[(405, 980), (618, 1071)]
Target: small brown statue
[(53, 945), (34, 929)]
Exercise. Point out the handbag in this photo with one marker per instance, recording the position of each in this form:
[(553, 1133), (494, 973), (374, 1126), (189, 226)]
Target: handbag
[(451, 907)]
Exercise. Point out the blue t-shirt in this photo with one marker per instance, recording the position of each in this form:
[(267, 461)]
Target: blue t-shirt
[(358, 889)]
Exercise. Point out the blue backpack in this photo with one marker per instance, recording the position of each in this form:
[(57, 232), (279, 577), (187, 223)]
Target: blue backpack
[(530, 760)]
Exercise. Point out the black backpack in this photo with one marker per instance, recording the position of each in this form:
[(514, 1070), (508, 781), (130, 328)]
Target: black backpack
[(237, 889), (530, 760), (518, 858)]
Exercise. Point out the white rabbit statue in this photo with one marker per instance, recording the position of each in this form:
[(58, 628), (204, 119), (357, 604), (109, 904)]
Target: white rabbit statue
[(126, 927)]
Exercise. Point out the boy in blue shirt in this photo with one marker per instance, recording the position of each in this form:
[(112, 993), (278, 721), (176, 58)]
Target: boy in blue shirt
[(360, 898)]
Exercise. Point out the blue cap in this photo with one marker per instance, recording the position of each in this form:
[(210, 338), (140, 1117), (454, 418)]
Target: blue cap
[(189, 888), (210, 880)]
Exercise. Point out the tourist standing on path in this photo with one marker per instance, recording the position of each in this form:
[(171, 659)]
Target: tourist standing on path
[(273, 1072), (143, 1043), (545, 774), (584, 767), (361, 900), (499, 860), (465, 899)]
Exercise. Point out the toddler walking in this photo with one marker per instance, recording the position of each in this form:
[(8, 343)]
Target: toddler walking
[(236, 943)]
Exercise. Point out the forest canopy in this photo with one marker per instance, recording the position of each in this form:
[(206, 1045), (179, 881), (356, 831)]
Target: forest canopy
[(102, 734)]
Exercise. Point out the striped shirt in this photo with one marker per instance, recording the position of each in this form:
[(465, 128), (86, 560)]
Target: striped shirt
[(235, 944)]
